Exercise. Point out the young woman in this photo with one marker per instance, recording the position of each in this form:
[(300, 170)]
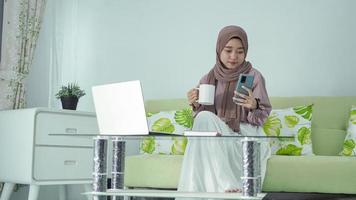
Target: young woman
[(213, 164)]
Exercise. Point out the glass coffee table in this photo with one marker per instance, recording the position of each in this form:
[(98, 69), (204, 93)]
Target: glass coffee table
[(250, 179)]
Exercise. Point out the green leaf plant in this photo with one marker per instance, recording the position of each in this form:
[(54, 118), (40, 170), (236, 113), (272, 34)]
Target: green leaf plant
[(72, 89)]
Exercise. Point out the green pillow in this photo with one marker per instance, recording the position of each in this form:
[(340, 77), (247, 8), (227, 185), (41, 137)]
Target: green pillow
[(294, 121), (170, 122), (350, 139)]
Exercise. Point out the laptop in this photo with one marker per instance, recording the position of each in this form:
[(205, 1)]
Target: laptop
[(120, 109)]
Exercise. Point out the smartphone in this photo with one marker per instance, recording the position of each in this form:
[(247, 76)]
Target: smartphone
[(244, 80)]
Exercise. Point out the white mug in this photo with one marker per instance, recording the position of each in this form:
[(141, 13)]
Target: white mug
[(206, 94)]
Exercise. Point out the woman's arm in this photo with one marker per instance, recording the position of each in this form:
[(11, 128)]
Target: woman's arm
[(196, 106), (259, 115)]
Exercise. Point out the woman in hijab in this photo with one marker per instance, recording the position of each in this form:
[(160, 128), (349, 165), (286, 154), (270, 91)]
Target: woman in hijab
[(214, 165)]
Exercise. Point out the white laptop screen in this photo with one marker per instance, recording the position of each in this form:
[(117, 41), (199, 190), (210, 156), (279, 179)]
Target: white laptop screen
[(120, 109)]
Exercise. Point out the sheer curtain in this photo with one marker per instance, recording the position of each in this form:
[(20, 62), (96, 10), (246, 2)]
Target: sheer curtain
[(22, 22), (63, 46)]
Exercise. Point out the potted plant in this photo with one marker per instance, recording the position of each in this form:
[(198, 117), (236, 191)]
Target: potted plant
[(69, 95)]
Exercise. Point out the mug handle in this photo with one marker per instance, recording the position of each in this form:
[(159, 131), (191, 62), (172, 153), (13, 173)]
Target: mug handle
[(198, 95)]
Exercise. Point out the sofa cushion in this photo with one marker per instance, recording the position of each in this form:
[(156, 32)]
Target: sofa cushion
[(327, 141), (350, 139), (170, 122), (325, 174), (155, 171), (294, 121)]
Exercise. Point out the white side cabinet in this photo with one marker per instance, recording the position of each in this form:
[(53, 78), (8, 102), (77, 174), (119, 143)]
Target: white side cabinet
[(42, 146)]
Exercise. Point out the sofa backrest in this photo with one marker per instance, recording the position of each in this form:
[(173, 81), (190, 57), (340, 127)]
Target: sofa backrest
[(329, 122), (328, 112)]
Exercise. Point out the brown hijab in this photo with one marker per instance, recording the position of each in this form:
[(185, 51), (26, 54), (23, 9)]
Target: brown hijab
[(228, 110)]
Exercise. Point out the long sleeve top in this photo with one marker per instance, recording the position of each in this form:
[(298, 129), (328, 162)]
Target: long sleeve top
[(254, 117)]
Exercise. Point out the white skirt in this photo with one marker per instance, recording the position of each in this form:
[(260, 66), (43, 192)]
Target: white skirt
[(214, 164)]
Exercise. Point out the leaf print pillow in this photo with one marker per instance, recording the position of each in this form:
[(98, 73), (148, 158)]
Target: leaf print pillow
[(170, 122), (294, 121), (350, 139)]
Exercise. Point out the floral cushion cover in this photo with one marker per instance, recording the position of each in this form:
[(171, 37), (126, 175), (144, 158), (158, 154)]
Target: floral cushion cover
[(282, 122), (350, 139), (170, 122), (294, 121)]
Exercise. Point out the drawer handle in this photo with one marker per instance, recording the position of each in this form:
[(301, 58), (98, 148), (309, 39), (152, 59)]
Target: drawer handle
[(71, 130), (70, 162)]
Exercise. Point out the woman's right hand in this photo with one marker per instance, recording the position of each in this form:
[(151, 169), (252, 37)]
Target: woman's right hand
[(193, 97)]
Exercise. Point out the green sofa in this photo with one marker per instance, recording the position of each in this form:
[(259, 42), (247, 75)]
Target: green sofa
[(326, 172)]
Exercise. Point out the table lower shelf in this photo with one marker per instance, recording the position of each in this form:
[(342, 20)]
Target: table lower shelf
[(173, 194)]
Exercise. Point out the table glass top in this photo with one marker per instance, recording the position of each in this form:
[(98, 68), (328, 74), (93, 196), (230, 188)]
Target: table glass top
[(173, 194), (168, 136)]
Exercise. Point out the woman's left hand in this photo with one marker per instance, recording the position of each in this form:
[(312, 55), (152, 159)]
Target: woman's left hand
[(247, 101)]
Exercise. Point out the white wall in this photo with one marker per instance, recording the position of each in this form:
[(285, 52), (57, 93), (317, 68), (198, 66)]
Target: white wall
[(302, 47)]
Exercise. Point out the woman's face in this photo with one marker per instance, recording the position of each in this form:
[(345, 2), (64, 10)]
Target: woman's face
[(233, 54)]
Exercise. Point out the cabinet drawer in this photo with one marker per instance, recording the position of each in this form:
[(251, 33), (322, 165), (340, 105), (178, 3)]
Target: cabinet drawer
[(65, 129), (62, 163)]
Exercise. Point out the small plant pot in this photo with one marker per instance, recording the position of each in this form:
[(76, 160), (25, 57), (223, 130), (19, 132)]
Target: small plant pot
[(69, 102)]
